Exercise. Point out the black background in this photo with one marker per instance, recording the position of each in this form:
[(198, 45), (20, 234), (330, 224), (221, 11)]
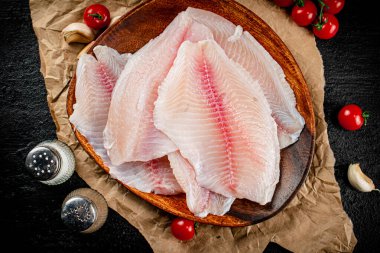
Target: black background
[(30, 211)]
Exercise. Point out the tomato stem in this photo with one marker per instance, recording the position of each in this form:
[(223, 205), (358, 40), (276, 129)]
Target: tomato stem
[(320, 23), (196, 226), (365, 117), (300, 3), (322, 4), (96, 15)]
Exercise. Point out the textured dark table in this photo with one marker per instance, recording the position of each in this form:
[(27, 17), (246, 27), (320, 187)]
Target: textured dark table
[(30, 211)]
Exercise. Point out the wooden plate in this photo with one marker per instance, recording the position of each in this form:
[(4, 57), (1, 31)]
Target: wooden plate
[(147, 21)]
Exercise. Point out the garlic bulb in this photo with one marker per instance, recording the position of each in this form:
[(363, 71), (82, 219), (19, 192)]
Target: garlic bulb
[(359, 180), (78, 32)]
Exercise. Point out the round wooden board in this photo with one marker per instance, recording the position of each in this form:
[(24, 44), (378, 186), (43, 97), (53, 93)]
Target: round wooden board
[(147, 21)]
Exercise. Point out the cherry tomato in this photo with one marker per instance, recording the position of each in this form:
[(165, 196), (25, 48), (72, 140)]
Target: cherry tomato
[(284, 3), (183, 229), (333, 6), (97, 16), (304, 15), (351, 117), (328, 28)]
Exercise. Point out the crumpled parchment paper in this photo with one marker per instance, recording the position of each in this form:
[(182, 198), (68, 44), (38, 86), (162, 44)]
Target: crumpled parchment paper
[(314, 221)]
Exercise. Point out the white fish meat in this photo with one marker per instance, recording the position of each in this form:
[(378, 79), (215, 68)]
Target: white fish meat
[(218, 117), (200, 200), (110, 57), (130, 134), (95, 82), (244, 49), (96, 79), (154, 176)]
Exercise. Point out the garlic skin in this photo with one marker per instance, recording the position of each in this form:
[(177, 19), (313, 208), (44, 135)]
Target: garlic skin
[(113, 20), (78, 32), (359, 180), (132, 2)]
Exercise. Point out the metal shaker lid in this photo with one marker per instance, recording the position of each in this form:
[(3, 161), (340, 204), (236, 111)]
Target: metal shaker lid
[(84, 210), (42, 163), (51, 162), (78, 213)]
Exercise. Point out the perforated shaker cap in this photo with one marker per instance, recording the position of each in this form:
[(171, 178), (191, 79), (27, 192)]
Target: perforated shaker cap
[(43, 163), (51, 162), (84, 210), (78, 213)]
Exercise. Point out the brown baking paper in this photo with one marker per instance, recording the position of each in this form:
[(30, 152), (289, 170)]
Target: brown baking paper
[(314, 221)]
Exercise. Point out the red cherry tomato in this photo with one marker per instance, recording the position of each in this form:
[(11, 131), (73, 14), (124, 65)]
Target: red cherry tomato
[(97, 16), (333, 6), (351, 117), (328, 28), (284, 3), (304, 15), (183, 229)]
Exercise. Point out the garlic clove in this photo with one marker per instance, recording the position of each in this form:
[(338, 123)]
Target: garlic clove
[(132, 2), (78, 32), (114, 20), (359, 180)]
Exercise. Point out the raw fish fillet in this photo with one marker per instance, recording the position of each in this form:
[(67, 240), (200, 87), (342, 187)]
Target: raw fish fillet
[(95, 82), (200, 201), (154, 176), (130, 134), (244, 49), (218, 117), (111, 58)]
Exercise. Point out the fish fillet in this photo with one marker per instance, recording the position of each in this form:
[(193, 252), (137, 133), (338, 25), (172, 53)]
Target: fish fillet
[(154, 176), (130, 134), (244, 49), (95, 82), (94, 86), (200, 200), (223, 128)]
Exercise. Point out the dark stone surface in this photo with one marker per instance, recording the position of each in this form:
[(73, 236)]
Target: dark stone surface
[(30, 211)]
